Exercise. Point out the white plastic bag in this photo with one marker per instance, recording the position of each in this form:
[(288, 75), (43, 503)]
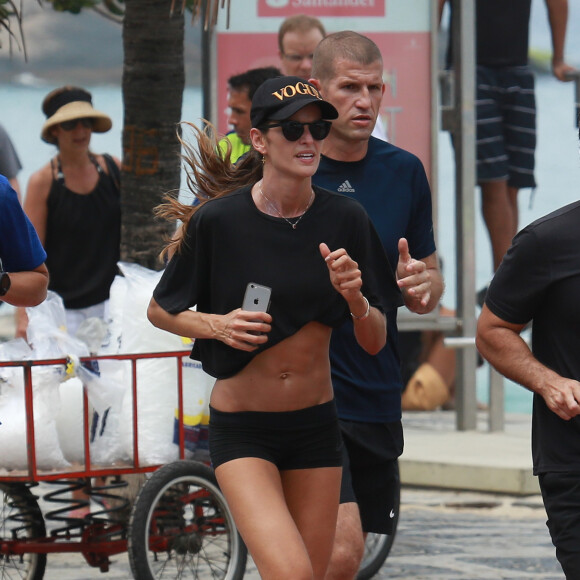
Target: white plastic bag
[(156, 377), (13, 416)]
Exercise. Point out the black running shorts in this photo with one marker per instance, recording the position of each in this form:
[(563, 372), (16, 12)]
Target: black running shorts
[(370, 472), (302, 439)]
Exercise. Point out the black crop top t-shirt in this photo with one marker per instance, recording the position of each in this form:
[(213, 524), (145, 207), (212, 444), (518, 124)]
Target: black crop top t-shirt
[(230, 243)]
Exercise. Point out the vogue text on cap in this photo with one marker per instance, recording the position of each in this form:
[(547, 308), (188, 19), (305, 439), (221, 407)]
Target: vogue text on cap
[(289, 91)]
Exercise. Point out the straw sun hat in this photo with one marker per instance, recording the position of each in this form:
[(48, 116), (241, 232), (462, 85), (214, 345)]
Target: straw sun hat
[(68, 104)]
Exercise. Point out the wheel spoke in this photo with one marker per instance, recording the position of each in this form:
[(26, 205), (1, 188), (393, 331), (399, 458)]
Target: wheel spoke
[(181, 527), (20, 520)]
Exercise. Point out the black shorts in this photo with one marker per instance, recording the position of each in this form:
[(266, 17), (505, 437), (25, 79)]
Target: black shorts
[(506, 125), (303, 439), (370, 472), (561, 494)]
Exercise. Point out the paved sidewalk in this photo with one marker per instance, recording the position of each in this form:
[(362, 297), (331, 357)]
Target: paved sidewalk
[(437, 455), (442, 535), (470, 536)]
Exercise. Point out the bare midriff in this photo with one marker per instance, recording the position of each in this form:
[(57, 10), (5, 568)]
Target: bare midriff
[(292, 375)]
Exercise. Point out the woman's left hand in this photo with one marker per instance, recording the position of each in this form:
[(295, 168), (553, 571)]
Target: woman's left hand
[(370, 326), (344, 273)]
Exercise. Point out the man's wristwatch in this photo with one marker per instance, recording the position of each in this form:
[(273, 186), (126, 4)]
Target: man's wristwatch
[(4, 280)]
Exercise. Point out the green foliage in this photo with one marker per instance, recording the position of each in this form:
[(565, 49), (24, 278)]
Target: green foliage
[(9, 10), (114, 7), (73, 6)]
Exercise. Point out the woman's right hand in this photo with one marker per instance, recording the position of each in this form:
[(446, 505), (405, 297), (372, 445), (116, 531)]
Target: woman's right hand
[(241, 329), (244, 329)]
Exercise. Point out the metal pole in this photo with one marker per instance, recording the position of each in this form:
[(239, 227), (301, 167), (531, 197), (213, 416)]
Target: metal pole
[(575, 76), (496, 417), (208, 81), (463, 34)]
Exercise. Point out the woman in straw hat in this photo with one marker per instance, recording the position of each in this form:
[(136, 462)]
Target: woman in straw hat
[(274, 437), (74, 204)]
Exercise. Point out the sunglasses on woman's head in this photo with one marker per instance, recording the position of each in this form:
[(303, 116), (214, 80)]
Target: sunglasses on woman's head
[(87, 123), (293, 130)]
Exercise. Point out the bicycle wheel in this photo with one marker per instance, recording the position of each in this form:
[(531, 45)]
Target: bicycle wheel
[(378, 546), (20, 520), (181, 527)]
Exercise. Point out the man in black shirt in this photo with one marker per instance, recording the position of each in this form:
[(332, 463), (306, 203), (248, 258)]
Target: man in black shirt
[(539, 280)]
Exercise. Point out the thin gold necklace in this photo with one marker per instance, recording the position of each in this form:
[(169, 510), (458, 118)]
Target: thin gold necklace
[(271, 204)]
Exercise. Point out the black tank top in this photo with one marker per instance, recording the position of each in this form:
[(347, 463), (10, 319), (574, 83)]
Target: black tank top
[(83, 235)]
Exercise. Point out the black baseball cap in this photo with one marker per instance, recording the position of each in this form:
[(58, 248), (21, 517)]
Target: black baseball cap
[(279, 98)]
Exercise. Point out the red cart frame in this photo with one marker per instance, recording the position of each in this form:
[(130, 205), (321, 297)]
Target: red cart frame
[(179, 515)]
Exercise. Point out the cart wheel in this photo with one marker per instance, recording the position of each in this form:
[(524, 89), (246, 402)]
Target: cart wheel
[(181, 526), (20, 520), (378, 546)]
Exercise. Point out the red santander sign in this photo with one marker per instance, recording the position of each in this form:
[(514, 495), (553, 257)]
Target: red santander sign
[(356, 8)]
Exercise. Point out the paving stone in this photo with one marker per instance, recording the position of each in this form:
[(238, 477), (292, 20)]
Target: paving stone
[(442, 535)]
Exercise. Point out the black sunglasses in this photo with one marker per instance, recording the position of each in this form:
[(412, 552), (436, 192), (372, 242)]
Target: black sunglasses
[(293, 130), (86, 122)]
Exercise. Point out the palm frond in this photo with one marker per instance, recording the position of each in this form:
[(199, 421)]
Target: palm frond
[(9, 11), (210, 7)]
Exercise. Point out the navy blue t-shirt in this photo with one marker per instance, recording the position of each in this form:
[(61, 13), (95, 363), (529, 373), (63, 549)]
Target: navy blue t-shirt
[(20, 248), (392, 186)]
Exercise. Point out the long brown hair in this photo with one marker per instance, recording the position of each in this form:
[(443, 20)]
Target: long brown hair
[(209, 174)]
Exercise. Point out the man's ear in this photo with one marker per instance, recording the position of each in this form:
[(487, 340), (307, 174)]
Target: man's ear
[(317, 84)]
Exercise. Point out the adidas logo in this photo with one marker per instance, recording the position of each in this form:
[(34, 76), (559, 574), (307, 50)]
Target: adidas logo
[(346, 187)]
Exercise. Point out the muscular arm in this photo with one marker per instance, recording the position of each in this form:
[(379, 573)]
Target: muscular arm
[(558, 18), (27, 288), (420, 281), (500, 343)]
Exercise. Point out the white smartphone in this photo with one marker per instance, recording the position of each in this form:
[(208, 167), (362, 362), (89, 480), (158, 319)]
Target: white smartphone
[(256, 298)]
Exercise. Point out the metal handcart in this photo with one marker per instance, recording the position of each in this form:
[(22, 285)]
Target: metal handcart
[(177, 526)]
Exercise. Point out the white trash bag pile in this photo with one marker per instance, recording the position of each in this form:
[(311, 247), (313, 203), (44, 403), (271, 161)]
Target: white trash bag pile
[(58, 389)]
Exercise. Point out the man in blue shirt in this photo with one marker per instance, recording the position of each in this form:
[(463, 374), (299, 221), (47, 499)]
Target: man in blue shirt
[(23, 275), (392, 186)]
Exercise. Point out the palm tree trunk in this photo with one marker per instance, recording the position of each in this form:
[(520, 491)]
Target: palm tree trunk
[(153, 84)]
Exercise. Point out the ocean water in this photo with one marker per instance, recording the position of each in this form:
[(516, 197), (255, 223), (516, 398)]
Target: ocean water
[(557, 161), (557, 176), (558, 184), (21, 116)]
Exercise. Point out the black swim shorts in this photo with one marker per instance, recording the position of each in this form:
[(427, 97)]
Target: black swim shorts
[(370, 472), (302, 439), (506, 125)]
